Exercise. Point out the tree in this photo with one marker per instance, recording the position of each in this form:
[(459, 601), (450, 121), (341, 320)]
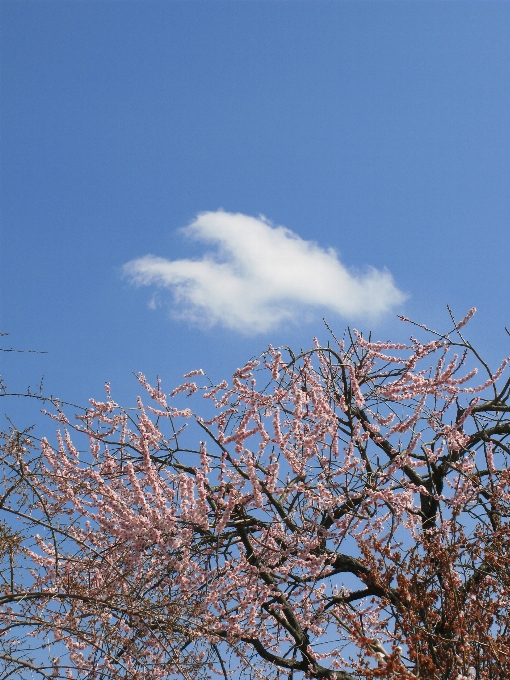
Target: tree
[(345, 516)]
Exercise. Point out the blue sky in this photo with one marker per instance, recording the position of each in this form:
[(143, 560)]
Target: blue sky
[(376, 133)]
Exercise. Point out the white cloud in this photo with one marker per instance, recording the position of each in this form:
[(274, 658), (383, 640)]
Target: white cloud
[(260, 275)]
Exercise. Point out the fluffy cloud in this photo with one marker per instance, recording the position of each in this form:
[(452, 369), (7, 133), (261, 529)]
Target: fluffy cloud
[(260, 275)]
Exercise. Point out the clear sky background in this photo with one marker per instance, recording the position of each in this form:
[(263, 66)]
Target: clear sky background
[(380, 130)]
